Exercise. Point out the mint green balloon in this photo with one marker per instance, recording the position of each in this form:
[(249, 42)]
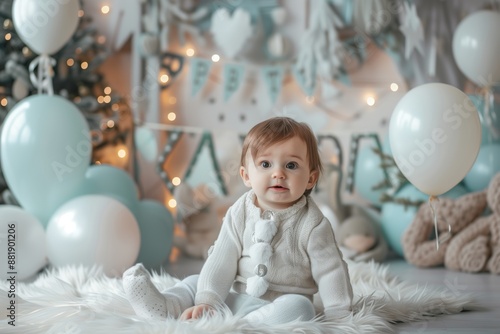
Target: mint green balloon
[(367, 174), (486, 166), (111, 181), (45, 151), (157, 228)]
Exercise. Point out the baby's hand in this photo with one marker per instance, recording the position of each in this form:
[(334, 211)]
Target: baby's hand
[(197, 311)]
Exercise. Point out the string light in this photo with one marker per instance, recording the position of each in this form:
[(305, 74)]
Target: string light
[(215, 58), (164, 78), (4, 102), (190, 52), (81, 13), (105, 9), (100, 99), (107, 99), (310, 99), (8, 36), (101, 39), (171, 116), (394, 87), (70, 62), (370, 100), (172, 203), (84, 65), (122, 153), (115, 107), (107, 90), (110, 123), (176, 181)]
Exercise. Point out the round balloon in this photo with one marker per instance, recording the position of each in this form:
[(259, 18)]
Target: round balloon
[(476, 47), (110, 181), (45, 151), (435, 134), (93, 230), (45, 25), (22, 238), (487, 165), (157, 228), (368, 173)]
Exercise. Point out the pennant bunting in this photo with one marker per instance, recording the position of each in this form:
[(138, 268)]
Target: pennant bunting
[(200, 69), (306, 85), (273, 77), (233, 75)]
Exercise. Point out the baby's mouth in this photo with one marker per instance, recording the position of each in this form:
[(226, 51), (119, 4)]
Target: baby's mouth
[(278, 187)]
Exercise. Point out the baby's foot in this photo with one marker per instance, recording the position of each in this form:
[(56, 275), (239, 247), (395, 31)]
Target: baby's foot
[(144, 297)]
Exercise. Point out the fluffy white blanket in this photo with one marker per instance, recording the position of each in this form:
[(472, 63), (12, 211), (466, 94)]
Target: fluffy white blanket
[(77, 300)]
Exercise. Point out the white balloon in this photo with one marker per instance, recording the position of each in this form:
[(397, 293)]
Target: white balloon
[(476, 47), (435, 136), (22, 243), (93, 230), (45, 25)]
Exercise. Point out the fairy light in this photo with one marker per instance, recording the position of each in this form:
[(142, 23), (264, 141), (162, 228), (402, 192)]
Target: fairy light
[(172, 203), (176, 181), (101, 39), (84, 65), (70, 62), (100, 99), (81, 13), (164, 78), (310, 99), (394, 87), (190, 52), (115, 107), (4, 102), (110, 123), (105, 9), (107, 99), (215, 58), (107, 90), (171, 116), (8, 36), (370, 100), (122, 153)]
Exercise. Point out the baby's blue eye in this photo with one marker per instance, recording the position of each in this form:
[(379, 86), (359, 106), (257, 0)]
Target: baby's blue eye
[(265, 164), (292, 165)]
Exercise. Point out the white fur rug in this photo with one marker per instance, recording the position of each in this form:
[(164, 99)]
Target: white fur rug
[(78, 300)]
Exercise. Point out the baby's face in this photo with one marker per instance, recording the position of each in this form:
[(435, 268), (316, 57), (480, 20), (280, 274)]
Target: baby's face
[(279, 174)]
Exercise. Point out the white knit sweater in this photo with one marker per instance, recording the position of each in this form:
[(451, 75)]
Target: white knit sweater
[(306, 257)]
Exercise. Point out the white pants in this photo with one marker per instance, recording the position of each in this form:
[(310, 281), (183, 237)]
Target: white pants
[(283, 309)]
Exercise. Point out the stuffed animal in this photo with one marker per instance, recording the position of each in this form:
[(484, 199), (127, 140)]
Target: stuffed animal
[(419, 247), (360, 239), (477, 247), (200, 212)]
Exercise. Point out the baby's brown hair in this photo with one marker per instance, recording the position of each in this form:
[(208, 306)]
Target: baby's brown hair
[(278, 129)]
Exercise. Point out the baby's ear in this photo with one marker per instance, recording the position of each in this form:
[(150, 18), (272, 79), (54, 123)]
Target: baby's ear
[(313, 178), (244, 177)]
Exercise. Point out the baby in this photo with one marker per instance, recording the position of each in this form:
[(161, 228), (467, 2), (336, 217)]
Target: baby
[(275, 248)]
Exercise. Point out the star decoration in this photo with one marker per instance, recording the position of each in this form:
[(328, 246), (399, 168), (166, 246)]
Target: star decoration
[(413, 30)]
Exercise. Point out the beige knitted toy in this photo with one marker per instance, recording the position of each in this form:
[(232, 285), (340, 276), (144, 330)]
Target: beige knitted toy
[(418, 247), (477, 247)]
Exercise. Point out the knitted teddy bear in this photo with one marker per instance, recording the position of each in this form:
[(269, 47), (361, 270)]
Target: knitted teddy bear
[(420, 247), (477, 247), (200, 212)]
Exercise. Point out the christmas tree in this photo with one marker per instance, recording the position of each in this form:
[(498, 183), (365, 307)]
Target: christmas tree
[(76, 77)]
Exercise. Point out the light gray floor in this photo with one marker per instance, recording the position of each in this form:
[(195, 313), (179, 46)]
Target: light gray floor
[(485, 288)]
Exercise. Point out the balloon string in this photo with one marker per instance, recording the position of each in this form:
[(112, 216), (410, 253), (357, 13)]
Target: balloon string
[(489, 112), (445, 237), (42, 81)]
